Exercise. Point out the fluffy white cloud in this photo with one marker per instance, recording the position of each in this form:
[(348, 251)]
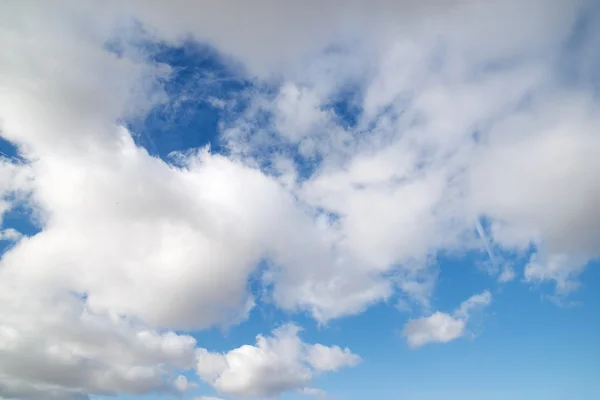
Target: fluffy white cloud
[(441, 327), (124, 236), (536, 180), (275, 364), (132, 248), (53, 343)]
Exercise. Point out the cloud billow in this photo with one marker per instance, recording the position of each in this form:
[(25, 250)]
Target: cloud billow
[(449, 126)]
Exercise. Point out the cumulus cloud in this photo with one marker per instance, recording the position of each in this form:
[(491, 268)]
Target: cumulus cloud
[(67, 349), (446, 128), (441, 327), (544, 191), (276, 363)]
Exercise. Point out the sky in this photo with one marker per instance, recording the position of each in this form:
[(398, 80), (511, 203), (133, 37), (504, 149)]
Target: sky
[(300, 200)]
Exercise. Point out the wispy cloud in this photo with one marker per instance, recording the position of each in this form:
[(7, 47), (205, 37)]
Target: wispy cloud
[(441, 327)]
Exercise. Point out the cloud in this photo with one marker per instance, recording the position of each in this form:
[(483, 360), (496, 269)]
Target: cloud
[(183, 385), (545, 192), (275, 364), (559, 268), (438, 327), (10, 235), (15, 180), (446, 128), (473, 303), (441, 327), (67, 349), (130, 248), (337, 21)]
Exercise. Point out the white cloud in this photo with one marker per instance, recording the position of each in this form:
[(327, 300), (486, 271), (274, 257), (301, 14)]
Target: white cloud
[(536, 178), (560, 268), (298, 112), (65, 348), (132, 248), (131, 234), (275, 364), (325, 358), (441, 327), (183, 385), (473, 303), (272, 38), (10, 235), (15, 180)]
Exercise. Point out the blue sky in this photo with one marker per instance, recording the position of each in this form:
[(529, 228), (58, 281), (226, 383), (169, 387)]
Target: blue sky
[(379, 203)]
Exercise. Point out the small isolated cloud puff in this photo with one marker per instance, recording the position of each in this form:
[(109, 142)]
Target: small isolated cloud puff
[(441, 327), (10, 234), (277, 363)]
